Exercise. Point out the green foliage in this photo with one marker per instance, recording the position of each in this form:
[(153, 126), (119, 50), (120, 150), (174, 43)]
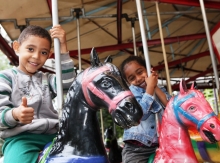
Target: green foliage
[(4, 62), (107, 122)]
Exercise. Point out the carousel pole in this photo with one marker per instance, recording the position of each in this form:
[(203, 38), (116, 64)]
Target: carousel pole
[(133, 34), (145, 48), (57, 59), (210, 46), (78, 39), (164, 51), (102, 125)]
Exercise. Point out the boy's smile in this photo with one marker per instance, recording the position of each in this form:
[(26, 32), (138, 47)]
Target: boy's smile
[(33, 53), (135, 74)]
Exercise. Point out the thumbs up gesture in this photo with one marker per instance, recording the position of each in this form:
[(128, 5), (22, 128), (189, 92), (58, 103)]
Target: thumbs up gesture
[(23, 113)]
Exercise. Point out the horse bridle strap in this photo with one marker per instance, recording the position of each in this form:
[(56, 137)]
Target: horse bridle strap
[(88, 85), (179, 109), (87, 79)]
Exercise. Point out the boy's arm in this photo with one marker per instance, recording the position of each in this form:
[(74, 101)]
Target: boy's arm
[(6, 106), (67, 65), (68, 74)]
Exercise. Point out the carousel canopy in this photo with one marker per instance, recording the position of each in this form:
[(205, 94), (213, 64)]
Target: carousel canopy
[(112, 27)]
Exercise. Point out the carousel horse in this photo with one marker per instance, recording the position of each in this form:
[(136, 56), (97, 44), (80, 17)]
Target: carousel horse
[(188, 110), (79, 139), (111, 143)]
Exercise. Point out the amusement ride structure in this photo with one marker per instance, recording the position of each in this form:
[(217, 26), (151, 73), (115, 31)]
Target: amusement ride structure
[(179, 39)]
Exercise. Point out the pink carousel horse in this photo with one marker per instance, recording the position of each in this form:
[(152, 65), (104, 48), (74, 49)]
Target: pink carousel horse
[(188, 110)]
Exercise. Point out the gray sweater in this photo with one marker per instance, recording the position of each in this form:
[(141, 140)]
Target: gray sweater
[(39, 89)]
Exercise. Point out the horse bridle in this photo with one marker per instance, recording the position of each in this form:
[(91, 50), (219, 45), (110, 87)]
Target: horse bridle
[(87, 85), (178, 109)]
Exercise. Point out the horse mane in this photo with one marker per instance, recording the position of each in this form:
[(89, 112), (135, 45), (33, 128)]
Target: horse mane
[(62, 135)]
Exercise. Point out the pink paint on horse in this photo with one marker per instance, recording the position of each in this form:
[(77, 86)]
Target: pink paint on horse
[(188, 110)]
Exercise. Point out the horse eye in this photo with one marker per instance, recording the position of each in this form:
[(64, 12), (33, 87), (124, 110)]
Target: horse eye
[(212, 125), (106, 84), (191, 108)]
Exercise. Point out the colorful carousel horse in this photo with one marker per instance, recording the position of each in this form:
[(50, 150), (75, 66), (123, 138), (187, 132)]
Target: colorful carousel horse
[(188, 110), (111, 143), (79, 139)]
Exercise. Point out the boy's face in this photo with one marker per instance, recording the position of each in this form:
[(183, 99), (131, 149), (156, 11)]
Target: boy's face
[(33, 53), (135, 74)]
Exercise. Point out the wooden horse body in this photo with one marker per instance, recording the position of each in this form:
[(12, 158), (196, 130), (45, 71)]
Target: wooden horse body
[(79, 138), (188, 110)]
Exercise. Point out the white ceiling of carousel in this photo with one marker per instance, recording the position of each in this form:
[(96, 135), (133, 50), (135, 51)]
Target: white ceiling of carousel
[(107, 26)]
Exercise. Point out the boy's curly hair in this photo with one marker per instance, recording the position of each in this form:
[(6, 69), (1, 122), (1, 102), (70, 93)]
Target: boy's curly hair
[(33, 30)]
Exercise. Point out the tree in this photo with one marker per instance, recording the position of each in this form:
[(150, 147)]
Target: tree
[(4, 62), (107, 122)]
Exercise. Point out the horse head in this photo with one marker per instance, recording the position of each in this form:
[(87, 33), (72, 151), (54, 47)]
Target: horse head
[(193, 110), (189, 110), (99, 86), (103, 87)]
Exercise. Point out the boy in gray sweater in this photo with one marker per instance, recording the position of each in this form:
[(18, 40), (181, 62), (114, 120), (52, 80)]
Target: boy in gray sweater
[(28, 119)]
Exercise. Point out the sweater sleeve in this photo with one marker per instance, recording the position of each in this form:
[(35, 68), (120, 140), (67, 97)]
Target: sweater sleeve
[(68, 73), (6, 118)]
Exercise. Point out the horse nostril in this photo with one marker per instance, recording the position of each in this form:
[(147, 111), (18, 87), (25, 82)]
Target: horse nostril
[(212, 125), (129, 106)]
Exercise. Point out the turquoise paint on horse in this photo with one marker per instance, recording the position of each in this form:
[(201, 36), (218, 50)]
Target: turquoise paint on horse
[(188, 110)]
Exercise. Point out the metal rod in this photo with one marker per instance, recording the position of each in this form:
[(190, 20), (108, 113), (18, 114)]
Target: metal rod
[(179, 12), (145, 48), (134, 41), (79, 45), (57, 58), (208, 4), (164, 51), (214, 66), (143, 36), (216, 101), (102, 124), (209, 43)]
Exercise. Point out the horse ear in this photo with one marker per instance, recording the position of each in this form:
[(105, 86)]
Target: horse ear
[(94, 58), (183, 87), (192, 86), (108, 59)]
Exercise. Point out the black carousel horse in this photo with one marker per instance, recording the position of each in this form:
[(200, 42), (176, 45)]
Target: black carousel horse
[(111, 143), (79, 138)]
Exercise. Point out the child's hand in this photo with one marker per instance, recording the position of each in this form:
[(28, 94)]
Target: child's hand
[(151, 82), (23, 113), (58, 32)]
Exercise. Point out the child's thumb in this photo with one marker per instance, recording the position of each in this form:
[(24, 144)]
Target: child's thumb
[(24, 101)]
